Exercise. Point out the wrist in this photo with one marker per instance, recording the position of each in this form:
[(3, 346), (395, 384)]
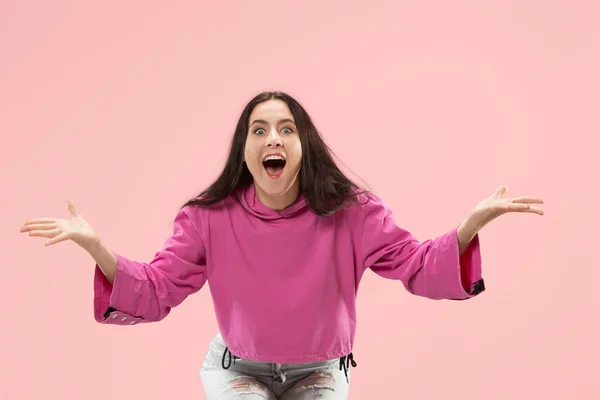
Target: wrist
[(468, 229), (92, 246)]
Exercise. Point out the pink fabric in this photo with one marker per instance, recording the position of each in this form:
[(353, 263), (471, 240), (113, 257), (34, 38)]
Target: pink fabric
[(283, 283)]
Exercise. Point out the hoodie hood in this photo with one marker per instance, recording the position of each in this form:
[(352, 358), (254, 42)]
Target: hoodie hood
[(248, 200)]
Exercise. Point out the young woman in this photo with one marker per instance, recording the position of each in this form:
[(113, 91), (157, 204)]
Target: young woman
[(284, 238)]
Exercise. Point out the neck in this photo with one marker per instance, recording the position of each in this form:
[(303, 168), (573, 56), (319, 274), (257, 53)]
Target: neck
[(278, 202)]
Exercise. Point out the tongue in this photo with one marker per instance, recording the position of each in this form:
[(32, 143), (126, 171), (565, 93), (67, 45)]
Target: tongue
[(273, 170)]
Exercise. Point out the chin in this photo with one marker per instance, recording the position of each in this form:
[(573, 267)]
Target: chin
[(278, 188)]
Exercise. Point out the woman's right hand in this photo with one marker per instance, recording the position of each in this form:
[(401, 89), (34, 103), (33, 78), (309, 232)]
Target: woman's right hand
[(76, 229)]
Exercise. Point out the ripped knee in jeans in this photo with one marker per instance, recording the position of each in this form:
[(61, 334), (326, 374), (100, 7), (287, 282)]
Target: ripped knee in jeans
[(317, 382), (246, 385)]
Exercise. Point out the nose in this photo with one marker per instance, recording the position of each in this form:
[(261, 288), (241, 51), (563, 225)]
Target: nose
[(274, 140)]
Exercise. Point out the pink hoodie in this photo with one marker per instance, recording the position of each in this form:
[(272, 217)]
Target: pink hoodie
[(284, 283)]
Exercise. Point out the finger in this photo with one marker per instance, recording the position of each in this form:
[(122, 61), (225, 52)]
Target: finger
[(59, 238), (536, 210), (72, 209), (500, 191), (519, 207), (48, 234), (528, 200), (39, 221), (38, 227)]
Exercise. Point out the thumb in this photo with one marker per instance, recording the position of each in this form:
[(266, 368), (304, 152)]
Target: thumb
[(500, 191), (72, 209)]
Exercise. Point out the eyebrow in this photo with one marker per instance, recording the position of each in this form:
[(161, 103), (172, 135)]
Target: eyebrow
[(261, 121)]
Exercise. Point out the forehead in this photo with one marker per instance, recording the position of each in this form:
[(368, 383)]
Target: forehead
[(271, 111)]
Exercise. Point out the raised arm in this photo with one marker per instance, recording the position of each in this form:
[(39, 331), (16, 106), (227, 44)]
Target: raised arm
[(146, 292), (446, 267), (433, 269), (125, 291)]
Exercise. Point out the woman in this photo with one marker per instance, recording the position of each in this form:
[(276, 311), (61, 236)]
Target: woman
[(284, 239)]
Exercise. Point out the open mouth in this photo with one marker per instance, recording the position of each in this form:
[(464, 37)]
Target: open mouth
[(274, 165)]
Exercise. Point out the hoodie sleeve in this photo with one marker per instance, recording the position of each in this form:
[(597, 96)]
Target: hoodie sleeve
[(432, 269), (146, 292)]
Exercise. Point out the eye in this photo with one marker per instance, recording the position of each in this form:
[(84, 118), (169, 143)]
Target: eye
[(259, 131), (286, 130)]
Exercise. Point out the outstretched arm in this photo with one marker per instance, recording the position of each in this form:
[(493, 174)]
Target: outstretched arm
[(146, 292), (127, 291), (446, 267)]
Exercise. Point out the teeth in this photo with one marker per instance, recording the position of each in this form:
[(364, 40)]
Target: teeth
[(274, 158)]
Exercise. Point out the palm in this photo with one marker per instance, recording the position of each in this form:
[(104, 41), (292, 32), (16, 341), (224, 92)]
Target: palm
[(496, 205), (57, 230)]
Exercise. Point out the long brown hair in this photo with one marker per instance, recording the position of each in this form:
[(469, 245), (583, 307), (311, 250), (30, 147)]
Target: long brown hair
[(324, 186)]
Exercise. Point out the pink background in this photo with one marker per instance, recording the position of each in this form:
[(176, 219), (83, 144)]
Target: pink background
[(128, 107)]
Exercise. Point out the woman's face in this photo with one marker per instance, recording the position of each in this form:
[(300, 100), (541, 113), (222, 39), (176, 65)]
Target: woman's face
[(273, 153)]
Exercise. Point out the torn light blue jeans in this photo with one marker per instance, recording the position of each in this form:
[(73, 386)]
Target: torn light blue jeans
[(223, 379)]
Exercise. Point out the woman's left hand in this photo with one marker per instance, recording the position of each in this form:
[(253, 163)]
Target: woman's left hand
[(496, 205), (491, 208)]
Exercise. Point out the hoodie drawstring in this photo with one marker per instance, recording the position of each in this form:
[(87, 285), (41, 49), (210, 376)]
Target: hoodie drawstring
[(345, 364), (225, 353)]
